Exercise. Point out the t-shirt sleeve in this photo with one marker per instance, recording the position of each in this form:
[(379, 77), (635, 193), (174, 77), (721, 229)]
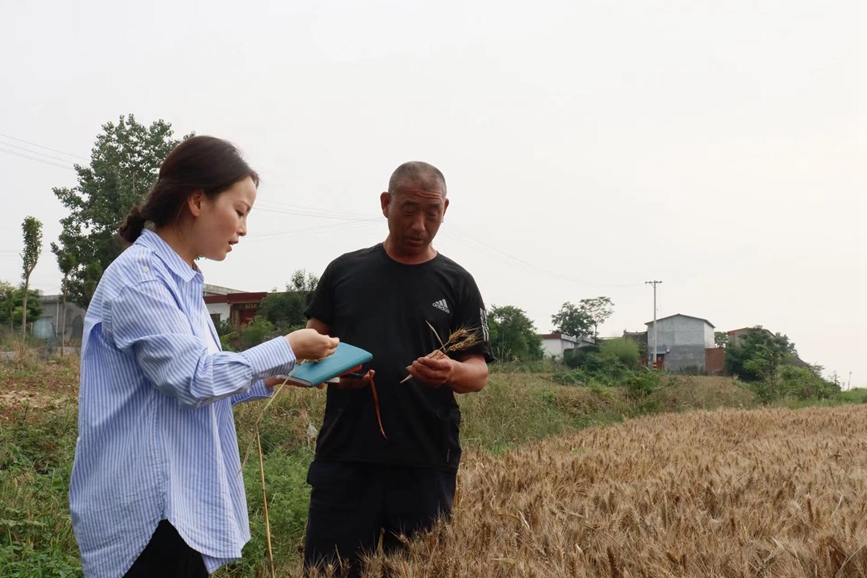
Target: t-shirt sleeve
[(321, 305), (471, 314)]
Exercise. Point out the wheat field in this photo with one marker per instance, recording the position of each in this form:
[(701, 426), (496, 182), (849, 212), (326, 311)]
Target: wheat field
[(771, 492)]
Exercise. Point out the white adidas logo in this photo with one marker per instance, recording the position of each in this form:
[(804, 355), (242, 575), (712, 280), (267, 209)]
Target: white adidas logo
[(442, 305)]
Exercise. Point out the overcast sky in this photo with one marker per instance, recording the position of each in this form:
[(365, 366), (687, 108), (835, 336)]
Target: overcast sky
[(589, 146)]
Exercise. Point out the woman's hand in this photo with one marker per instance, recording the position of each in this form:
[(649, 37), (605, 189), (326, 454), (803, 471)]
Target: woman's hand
[(309, 344)]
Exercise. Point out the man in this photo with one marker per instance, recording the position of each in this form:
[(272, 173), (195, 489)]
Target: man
[(370, 483)]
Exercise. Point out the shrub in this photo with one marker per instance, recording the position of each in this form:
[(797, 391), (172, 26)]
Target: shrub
[(575, 358), (626, 350), (255, 332)]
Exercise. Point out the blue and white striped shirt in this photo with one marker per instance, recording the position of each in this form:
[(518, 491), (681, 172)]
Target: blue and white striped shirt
[(156, 434)]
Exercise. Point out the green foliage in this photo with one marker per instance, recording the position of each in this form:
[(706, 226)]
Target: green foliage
[(227, 334), (594, 368), (66, 264), (572, 320), (583, 319), (124, 163), (288, 500), (720, 338), (624, 349), (513, 335), (642, 383), (286, 309), (599, 309), (544, 365), (800, 383), (807, 383), (36, 538), (758, 354), (255, 332), (12, 304), (857, 395), (515, 408), (578, 357), (32, 229)]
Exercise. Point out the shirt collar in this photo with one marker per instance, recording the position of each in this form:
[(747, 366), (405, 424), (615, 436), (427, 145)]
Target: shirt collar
[(168, 255)]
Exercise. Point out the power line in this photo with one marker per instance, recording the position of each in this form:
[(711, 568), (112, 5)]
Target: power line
[(43, 147), (350, 220), (38, 160), (290, 206), (502, 256), (41, 154), (331, 227), (315, 213)]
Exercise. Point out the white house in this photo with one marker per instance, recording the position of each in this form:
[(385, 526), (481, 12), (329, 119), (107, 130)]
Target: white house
[(555, 344)]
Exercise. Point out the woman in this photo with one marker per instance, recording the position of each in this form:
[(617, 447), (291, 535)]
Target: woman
[(156, 487)]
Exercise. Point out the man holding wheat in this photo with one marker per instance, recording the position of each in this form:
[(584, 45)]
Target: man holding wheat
[(388, 452)]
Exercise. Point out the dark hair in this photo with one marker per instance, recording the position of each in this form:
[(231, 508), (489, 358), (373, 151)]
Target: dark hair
[(200, 163), (417, 173)]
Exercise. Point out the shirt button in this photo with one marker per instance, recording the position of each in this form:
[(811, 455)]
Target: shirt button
[(145, 268)]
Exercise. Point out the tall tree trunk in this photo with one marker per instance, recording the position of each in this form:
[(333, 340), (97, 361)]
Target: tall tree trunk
[(24, 309), (63, 320)]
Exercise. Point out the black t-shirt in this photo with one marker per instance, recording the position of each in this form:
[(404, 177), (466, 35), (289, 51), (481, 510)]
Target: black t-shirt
[(374, 302)]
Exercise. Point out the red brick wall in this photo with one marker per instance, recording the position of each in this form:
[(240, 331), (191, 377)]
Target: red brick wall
[(714, 360)]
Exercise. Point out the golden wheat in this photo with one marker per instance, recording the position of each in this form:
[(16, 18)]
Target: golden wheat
[(772, 492)]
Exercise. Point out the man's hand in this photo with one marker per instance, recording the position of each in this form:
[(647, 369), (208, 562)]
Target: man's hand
[(433, 370)]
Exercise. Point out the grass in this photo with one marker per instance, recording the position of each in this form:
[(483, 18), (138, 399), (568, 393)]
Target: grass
[(515, 412)]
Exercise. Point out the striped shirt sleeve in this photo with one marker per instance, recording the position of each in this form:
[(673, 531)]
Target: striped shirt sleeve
[(145, 321), (258, 391)]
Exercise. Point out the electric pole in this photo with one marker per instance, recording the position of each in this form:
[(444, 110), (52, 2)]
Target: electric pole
[(654, 283)]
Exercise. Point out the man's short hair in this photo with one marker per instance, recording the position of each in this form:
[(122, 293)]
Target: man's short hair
[(418, 173)]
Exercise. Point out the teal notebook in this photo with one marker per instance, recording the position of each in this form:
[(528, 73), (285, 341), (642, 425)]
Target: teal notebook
[(346, 359)]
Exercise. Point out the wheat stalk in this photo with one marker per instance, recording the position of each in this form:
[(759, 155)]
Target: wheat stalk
[(460, 339), (277, 391)]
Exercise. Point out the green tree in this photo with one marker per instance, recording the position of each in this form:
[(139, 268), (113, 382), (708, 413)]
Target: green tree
[(806, 382), (285, 310), (720, 338), (572, 320), (12, 304), (124, 164), (66, 264), (513, 334), (598, 309), (32, 229), (758, 355)]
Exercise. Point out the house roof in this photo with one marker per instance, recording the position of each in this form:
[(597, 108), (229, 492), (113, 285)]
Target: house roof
[(562, 336), (218, 290), (237, 298), (734, 332), (682, 315)]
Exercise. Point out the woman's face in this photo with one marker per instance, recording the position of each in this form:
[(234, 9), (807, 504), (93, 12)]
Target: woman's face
[(222, 221)]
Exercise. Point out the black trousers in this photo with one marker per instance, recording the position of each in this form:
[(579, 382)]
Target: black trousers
[(168, 556), (352, 505)]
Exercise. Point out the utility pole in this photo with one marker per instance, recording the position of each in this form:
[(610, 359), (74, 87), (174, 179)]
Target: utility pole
[(654, 283)]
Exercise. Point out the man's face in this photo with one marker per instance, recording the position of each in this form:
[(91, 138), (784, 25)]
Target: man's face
[(414, 215)]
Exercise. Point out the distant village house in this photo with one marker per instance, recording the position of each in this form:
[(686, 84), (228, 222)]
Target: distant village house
[(556, 344)]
